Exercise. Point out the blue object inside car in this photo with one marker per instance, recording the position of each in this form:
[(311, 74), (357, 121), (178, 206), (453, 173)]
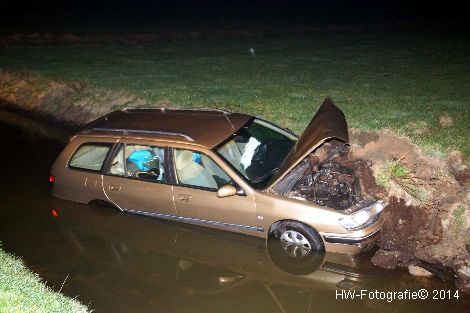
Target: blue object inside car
[(145, 160), (197, 158)]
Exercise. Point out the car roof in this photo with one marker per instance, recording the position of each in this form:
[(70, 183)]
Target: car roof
[(205, 127)]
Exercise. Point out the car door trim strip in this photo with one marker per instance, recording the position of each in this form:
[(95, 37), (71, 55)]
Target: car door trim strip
[(194, 220)]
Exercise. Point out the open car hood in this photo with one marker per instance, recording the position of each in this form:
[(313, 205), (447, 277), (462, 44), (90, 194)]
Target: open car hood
[(328, 123)]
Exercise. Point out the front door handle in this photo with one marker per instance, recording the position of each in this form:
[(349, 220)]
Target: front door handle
[(115, 187), (184, 197)]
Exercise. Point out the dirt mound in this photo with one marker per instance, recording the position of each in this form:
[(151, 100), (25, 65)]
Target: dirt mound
[(407, 229), (427, 220), (64, 101)]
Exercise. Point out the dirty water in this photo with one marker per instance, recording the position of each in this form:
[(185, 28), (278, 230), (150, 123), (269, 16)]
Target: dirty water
[(115, 262)]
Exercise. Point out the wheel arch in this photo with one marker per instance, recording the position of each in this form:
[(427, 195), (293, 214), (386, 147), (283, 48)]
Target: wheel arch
[(274, 225)]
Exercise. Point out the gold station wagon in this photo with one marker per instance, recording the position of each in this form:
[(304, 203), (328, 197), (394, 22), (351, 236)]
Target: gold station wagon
[(225, 170)]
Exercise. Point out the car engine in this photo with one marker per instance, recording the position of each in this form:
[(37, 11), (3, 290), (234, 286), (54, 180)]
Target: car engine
[(324, 178)]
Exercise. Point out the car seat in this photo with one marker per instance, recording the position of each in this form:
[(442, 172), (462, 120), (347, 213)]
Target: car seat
[(191, 173)]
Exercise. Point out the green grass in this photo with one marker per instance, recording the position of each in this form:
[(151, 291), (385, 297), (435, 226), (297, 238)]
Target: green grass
[(403, 81), (395, 174), (459, 216), (22, 291), (393, 170)]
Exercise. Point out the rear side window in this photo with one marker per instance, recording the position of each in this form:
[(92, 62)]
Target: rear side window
[(90, 156)]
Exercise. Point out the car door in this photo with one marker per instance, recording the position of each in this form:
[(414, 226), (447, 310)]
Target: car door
[(82, 179), (136, 180), (198, 178)]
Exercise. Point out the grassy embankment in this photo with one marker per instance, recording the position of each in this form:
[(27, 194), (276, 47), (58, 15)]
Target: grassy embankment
[(416, 84), (23, 291)]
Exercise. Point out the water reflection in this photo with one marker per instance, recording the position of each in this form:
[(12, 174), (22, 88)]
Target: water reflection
[(197, 269), (127, 239)]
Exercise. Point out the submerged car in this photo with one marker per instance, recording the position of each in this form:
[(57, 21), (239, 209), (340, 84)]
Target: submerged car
[(229, 171), (225, 259)]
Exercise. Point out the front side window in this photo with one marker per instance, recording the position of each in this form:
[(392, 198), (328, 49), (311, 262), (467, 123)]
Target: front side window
[(139, 161), (197, 169), (257, 150), (90, 156)]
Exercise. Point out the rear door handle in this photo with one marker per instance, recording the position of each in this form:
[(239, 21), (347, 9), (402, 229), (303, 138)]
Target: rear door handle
[(115, 187), (184, 197)]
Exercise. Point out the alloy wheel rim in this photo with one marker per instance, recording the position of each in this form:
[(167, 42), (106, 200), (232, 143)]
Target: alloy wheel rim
[(295, 244)]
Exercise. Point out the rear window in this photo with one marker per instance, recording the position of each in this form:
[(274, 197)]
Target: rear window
[(90, 156)]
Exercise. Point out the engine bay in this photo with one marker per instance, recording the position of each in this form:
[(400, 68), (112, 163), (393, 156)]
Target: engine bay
[(324, 177)]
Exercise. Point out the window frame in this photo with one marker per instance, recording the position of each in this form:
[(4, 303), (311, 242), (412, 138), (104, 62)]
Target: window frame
[(115, 151), (91, 143)]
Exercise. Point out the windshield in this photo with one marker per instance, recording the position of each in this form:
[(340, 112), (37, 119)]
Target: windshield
[(257, 150)]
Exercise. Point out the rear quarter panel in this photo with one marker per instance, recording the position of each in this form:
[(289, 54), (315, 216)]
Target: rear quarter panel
[(73, 184)]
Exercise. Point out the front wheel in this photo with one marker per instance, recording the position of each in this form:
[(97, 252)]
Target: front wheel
[(295, 247)]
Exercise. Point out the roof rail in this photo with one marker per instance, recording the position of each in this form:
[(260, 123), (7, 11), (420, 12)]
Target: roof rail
[(163, 109), (140, 131)]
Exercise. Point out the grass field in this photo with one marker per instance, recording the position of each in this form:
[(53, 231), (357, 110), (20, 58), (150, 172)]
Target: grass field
[(22, 291), (405, 81)]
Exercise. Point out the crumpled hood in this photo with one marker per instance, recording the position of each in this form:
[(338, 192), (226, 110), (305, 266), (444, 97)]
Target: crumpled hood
[(329, 122)]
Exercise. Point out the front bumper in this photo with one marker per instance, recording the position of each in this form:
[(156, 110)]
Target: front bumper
[(353, 242)]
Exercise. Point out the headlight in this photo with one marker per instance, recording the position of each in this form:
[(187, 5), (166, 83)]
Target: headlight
[(362, 216), (355, 220)]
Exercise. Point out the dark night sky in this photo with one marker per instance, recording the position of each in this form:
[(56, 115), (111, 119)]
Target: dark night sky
[(189, 14)]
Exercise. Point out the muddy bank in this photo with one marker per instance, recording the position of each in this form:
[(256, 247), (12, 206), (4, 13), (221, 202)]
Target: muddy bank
[(50, 38), (35, 125), (427, 220), (68, 104), (244, 33)]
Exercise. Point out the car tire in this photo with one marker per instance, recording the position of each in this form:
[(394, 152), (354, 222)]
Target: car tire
[(295, 247)]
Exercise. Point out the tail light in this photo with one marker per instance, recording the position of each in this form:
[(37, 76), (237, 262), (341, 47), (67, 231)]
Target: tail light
[(54, 213), (52, 179)]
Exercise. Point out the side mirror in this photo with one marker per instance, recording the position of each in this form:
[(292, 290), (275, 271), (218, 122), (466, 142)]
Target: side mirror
[(226, 191)]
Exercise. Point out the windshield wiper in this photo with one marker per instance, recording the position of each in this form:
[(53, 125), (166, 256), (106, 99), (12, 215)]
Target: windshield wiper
[(261, 178)]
